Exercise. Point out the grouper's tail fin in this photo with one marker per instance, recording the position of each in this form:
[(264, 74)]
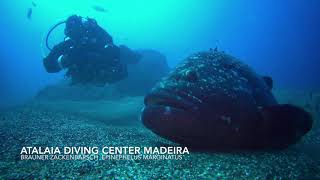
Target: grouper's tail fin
[(285, 124)]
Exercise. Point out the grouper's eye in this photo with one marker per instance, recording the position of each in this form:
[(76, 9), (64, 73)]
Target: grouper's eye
[(187, 75), (191, 75)]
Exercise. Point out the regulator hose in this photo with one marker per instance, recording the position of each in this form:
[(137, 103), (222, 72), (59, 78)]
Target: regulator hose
[(50, 31)]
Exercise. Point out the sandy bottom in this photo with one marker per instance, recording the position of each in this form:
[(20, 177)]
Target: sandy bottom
[(116, 123)]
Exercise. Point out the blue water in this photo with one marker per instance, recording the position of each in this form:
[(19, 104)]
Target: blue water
[(277, 38)]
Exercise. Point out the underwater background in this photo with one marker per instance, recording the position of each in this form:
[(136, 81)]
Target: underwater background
[(279, 39)]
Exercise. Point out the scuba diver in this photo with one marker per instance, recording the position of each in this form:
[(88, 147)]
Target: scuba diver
[(88, 54)]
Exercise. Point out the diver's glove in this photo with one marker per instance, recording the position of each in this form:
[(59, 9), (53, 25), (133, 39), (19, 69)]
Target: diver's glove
[(52, 61)]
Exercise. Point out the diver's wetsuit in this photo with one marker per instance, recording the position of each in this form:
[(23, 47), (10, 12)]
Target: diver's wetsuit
[(89, 54)]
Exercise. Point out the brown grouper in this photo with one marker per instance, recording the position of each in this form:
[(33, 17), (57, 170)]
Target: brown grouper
[(214, 101)]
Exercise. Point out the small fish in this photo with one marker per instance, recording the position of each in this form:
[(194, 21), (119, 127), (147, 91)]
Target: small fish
[(29, 14), (99, 8), (34, 4)]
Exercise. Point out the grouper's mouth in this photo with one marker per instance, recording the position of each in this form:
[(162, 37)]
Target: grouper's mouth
[(168, 115), (168, 100)]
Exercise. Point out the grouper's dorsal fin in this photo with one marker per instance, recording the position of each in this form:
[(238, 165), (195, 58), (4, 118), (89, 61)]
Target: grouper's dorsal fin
[(268, 80)]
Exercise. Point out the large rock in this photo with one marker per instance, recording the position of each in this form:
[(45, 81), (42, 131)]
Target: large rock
[(64, 91)]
